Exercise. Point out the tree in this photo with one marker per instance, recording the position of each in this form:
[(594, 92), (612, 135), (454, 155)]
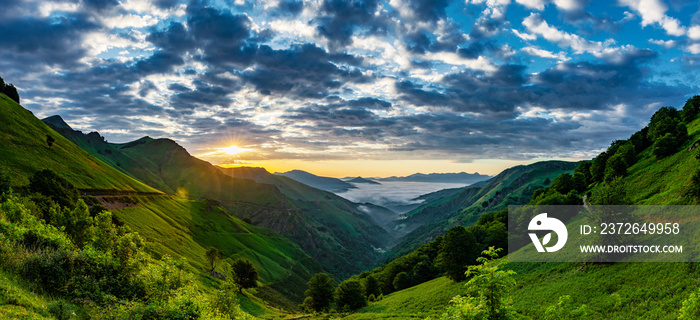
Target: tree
[(372, 286), (640, 140), (213, 255), (350, 295), (9, 90), (584, 170), (50, 140), (489, 289), (627, 153), (244, 273), (615, 167), (563, 183), (458, 249), (320, 292), (598, 167), (492, 283), (52, 185), (691, 109), (401, 281), (665, 146)]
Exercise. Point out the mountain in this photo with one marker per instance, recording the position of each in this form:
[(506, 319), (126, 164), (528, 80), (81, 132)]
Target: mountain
[(171, 225), (343, 238), (25, 150), (462, 177), (362, 180), (350, 231), (324, 183), (512, 186), (597, 290)]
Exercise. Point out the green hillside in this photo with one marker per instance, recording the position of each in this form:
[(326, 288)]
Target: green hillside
[(171, 225), (332, 230), (184, 228), (24, 150), (601, 290), (348, 234), (512, 186)]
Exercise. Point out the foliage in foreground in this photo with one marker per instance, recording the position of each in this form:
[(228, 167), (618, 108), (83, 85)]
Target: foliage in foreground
[(97, 269)]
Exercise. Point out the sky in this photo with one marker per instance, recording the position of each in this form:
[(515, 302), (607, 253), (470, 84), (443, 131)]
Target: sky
[(347, 88)]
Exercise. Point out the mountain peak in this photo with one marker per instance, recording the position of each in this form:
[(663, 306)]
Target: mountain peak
[(57, 122)]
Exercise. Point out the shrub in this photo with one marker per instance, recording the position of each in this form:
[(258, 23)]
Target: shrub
[(50, 184)]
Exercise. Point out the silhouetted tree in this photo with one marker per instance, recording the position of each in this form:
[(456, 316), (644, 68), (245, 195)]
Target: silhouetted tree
[(244, 273), (50, 140)]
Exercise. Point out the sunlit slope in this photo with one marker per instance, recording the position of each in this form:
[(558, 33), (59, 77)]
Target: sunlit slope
[(24, 150), (186, 228), (332, 230), (512, 186)]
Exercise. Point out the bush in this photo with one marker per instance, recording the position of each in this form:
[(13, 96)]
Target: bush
[(50, 184)]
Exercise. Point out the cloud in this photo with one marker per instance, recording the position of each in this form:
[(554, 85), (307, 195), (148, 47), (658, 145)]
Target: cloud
[(532, 4), (535, 51), (654, 12)]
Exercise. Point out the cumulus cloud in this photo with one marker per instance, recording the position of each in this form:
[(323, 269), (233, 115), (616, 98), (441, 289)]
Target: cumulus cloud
[(344, 79)]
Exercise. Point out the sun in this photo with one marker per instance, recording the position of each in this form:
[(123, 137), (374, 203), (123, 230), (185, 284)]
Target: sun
[(233, 150)]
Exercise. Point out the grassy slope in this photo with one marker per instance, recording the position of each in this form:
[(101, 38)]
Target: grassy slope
[(24, 151), (330, 228), (612, 290), (181, 228), (17, 301), (348, 235), (512, 186), (185, 228)]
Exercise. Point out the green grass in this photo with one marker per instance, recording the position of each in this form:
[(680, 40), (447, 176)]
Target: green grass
[(17, 301), (24, 151), (184, 228)]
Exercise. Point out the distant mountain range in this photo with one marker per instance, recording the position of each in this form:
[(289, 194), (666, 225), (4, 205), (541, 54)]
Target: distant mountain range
[(462, 177), (324, 183), (362, 180)]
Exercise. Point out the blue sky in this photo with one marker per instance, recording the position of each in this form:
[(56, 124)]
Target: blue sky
[(399, 85)]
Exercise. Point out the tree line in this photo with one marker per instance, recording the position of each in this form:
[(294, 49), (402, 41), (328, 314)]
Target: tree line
[(9, 90)]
